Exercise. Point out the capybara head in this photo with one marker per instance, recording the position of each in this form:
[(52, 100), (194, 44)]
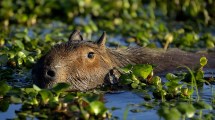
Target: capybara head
[(83, 64)]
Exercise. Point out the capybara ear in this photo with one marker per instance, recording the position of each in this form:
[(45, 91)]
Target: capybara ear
[(75, 35), (102, 40)]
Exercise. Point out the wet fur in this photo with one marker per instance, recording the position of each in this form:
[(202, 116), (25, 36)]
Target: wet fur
[(71, 64), (163, 60)]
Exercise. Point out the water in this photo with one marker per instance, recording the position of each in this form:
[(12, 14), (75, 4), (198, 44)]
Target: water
[(10, 112), (124, 101)]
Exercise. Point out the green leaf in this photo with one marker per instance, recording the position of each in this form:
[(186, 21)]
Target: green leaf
[(30, 90), (45, 95), (90, 98), (21, 54), (30, 59), (169, 114), (134, 78), (142, 70), (19, 61), (69, 97), (97, 107), (203, 61), (186, 109), (19, 44), (202, 105), (134, 85), (3, 59), (4, 88), (60, 87), (127, 69), (126, 79), (85, 115), (156, 80), (20, 35), (170, 76), (199, 75), (15, 99), (36, 88), (32, 101), (4, 105)]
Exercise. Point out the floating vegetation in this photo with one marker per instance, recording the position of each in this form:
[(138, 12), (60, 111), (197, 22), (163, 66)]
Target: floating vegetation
[(28, 29)]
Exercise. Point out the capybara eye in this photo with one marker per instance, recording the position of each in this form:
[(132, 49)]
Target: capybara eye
[(90, 55)]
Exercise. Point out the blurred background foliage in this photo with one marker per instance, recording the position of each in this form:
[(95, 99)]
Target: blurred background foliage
[(31, 27), (115, 11), (28, 28)]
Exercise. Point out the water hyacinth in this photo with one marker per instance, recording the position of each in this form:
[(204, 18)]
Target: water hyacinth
[(28, 29)]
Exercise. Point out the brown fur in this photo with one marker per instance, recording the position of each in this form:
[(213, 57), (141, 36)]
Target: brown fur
[(69, 62)]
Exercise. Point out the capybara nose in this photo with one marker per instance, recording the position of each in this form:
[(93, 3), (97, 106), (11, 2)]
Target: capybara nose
[(50, 74)]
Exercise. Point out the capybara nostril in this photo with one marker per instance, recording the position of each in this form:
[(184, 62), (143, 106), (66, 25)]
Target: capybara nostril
[(86, 64), (50, 74)]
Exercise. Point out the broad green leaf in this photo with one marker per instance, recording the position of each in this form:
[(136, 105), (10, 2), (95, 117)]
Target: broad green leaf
[(126, 79), (30, 90), (142, 70), (202, 105), (45, 95), (169, 114), (36, 88), (97, 107), (60, 87), (69, 97), (186, 109), (90, 98)]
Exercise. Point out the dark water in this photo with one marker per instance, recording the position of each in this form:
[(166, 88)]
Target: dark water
[(126, 101), (10, 114)]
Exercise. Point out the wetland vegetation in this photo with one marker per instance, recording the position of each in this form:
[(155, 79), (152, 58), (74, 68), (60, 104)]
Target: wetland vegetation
[(28, 29)]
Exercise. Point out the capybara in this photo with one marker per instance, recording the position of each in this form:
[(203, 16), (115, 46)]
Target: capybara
[(86, 64)]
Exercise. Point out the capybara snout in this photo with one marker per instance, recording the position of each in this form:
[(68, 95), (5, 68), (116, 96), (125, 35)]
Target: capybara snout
[(86, 64)]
